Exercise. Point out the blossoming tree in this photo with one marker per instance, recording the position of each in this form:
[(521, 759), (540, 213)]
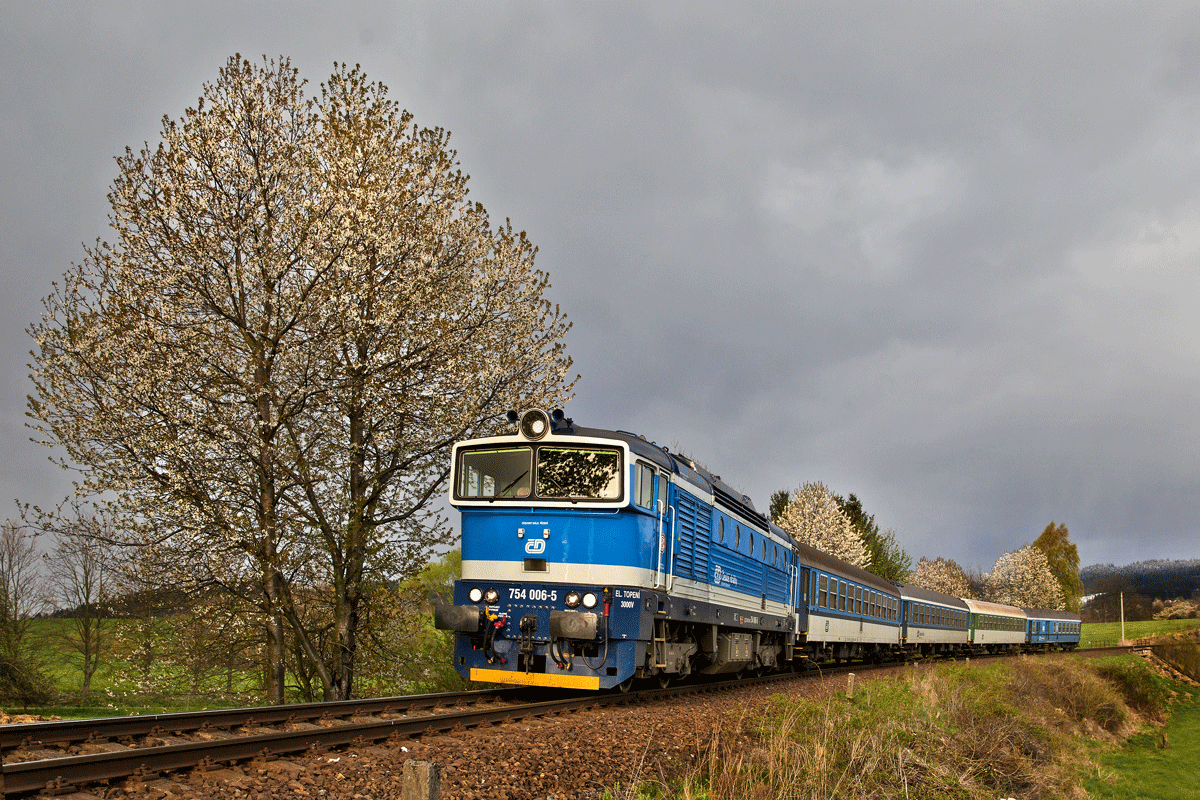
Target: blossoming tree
[(814, 517), (299, 312)]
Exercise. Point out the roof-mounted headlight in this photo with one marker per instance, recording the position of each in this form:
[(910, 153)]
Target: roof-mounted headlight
[(534, 424)]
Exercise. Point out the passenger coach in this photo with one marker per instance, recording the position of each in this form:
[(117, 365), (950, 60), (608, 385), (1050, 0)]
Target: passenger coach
[(933, 623), (995, 628), (1046, 629)]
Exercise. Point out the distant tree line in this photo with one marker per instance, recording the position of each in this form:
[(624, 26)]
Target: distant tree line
[(1042, 574), (1160, 579)]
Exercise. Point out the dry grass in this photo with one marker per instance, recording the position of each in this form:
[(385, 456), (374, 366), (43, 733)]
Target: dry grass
[(1015, 729)]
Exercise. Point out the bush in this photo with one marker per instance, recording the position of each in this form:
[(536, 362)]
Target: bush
[(1081, 695), (23, 683), (1138, 685), (1182, 653)]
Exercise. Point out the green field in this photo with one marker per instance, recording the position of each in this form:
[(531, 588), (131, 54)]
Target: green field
[(1145, 770), (173, 685), (1108, 634)]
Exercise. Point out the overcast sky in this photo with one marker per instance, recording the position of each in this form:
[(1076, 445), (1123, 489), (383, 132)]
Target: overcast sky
[(942, 256)]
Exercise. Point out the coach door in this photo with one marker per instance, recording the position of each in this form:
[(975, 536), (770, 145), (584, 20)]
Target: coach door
[(799, 599)]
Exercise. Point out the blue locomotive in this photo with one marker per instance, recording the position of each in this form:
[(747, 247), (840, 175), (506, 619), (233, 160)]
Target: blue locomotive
[(593, 557)]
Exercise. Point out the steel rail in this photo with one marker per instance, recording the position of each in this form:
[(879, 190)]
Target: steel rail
[(79, 730)]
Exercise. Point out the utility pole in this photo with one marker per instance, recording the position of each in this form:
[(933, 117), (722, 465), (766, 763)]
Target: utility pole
[(1122, 618)]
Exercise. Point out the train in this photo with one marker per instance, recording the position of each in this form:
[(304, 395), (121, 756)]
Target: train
[(592, 558)]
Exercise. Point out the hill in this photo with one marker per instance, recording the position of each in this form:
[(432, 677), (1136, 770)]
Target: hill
[(1159, 578)]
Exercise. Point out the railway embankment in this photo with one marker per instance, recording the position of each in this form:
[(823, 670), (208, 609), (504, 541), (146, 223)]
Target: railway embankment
[(1019, 728)]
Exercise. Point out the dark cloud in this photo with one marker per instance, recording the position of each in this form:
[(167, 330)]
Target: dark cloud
[(942, 257)]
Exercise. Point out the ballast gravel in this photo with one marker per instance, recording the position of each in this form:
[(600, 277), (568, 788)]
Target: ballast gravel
[(574, 756)]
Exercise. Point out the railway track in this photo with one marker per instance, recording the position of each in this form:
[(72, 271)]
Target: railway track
[(63, 755), (150, 745)]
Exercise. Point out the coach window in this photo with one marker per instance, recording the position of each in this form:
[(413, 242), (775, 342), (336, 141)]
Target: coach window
[(823, 592), (858, 591)]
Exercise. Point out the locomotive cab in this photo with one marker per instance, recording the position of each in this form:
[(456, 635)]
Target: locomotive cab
[(554, 559)]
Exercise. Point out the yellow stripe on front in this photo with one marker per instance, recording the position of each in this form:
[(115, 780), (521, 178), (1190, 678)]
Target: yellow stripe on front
[(535, 679)]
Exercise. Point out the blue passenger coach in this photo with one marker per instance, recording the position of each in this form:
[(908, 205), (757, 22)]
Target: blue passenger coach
[(933, 623), (852, 614), (1046, 629), (592, 556)]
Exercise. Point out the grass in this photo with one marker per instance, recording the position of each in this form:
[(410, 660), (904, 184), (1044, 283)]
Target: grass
[(1143, 769), (1018, 728), (1108, 634), (112, 690)]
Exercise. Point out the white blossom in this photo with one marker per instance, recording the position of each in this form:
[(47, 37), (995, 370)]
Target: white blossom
[(942, 575), (1023, 578), (814, 517)]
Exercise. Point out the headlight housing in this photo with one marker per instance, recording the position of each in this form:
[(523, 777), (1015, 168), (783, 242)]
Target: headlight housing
[(572, 599), (491, 597), (589, 600), (475, 594), (534, 424)]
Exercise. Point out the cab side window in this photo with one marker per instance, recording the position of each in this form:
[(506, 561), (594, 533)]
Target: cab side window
[(643, 490)]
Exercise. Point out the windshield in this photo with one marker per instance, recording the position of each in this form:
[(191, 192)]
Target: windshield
[(563, 473), (569, 472), (495, 473)]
